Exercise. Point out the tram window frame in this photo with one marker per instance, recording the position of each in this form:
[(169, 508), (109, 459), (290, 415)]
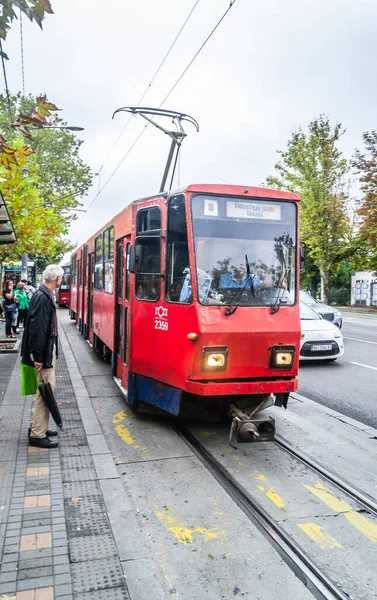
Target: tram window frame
[(108, 259), (73, 269), (120, 271), (98, 264), (150, 280), (86, 266), (169, 242), (79, 278), (127, 273)]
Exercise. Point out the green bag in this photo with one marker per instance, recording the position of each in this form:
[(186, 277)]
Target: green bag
[(29, 380)]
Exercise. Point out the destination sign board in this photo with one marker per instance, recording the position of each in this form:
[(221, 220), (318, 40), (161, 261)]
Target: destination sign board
[(253, 210)]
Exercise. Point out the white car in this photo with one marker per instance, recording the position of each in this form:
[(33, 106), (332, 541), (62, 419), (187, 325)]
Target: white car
[(320, 340)]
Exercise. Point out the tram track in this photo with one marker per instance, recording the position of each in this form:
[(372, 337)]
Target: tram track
[(366, 501), (312, 576)]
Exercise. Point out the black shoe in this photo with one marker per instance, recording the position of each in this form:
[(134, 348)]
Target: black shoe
[(42, 442), (48, 433)]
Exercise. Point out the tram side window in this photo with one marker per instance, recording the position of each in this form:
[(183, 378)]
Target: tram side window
[(108, 239), (73, 270), (149, 236), (98, 260), (177, 253)]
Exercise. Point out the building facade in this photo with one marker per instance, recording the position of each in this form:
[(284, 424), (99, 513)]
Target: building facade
[(363, 288)]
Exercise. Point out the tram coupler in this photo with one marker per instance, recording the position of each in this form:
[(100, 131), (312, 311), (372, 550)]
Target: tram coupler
[(244, 428)]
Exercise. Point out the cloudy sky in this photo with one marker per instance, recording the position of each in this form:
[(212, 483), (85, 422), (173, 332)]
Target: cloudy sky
[(269, 68)]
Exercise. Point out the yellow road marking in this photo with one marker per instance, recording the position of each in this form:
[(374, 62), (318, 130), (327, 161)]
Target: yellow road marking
[(271, 494), (316, 533), (357, 520), (167, 571), (276, 499), (123, 432), (185, 535)]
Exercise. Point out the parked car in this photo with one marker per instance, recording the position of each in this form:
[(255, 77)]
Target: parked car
[(320, 340), (327, 312)]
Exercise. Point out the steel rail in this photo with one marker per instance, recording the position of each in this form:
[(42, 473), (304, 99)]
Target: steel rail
[(366, 501), (303, 567)]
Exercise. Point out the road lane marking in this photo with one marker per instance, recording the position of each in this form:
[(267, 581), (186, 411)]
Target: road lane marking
[(361, 365), (359, 340), (185, 535), (316, 533), (361, 523)]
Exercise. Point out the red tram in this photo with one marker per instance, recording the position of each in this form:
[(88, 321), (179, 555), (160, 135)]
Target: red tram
[(64, 292), (195, 296)]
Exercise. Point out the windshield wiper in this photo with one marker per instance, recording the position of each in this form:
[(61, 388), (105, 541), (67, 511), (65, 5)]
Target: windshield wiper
[(249, 275), (276, 305), (231, 309)]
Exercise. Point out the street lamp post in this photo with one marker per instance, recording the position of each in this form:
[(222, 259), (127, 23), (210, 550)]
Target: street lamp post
[(68, 127)]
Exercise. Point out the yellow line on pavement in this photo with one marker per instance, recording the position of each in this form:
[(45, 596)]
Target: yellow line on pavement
[(123, 432), (185, 535), (275, 498), (361, 523), (316, 533)]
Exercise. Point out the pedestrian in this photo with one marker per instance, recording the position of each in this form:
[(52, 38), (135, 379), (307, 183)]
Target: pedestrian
[(10, 309), (30, 289), (40, 349), (23, 302)]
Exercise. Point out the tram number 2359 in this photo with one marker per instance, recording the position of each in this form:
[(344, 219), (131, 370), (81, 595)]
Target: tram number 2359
[(163, 325)]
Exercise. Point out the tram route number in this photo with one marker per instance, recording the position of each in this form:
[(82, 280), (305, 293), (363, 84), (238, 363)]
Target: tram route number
[(161, 318)]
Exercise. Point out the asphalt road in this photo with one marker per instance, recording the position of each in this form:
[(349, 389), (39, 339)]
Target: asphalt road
[(348, 385)]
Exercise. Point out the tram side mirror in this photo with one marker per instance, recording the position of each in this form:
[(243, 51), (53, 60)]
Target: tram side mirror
[(302, 258), (136, 258)]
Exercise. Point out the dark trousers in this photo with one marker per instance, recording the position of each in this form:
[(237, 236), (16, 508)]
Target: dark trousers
[(10, 322), (22, 316)]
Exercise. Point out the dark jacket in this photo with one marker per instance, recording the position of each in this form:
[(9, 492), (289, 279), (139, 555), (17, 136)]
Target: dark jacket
[(39, 333)]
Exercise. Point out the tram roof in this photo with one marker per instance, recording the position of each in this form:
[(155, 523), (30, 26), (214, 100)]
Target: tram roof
[(208, 188), (241, 190)]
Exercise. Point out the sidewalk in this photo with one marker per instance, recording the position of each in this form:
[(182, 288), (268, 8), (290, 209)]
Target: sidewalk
[(58, 508)]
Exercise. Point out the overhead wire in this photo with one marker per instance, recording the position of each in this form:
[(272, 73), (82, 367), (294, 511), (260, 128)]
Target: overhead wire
[(22, 55), (6, 82), (139, 102), (231, 4), (152, 80)]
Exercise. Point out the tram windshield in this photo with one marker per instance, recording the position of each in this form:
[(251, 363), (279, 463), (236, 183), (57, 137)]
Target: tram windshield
[(66, 279), (245, 251)]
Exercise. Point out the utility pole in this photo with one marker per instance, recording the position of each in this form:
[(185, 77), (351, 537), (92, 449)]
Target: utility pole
[(24, 258)]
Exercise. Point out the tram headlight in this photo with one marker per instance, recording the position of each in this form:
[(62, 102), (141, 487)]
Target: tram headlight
[(282, 357), (215, 359)]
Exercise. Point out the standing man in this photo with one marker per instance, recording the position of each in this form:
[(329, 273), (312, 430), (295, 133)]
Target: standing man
[(40, 349)]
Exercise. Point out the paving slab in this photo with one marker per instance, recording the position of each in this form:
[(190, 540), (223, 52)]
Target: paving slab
[(343, 445)]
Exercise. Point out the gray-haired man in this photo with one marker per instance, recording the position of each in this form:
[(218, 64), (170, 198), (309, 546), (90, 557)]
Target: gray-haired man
[(40, 349)]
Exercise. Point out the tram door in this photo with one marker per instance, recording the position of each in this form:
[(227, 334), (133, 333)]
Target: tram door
[(90, 297), (122, 322)]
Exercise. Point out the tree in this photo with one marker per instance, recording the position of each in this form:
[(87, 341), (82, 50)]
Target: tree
[(315, 168), (57, 177), (35, 10), (365, 165), (56, 151), (40, 229)]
